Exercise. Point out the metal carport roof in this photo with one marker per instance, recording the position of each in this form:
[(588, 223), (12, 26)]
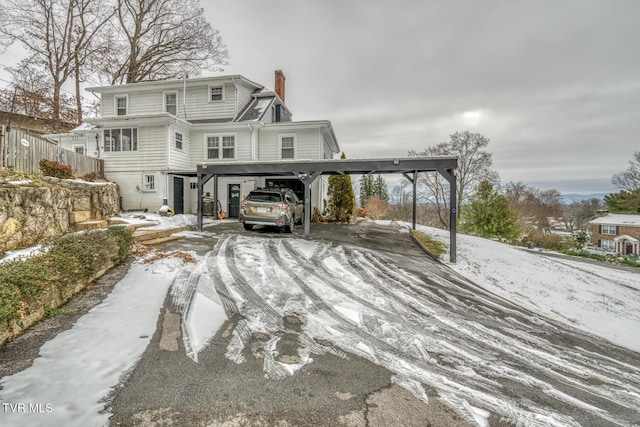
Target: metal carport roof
[(309, 170)]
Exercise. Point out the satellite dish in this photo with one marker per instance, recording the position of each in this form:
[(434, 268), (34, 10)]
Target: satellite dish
[(24, 142)]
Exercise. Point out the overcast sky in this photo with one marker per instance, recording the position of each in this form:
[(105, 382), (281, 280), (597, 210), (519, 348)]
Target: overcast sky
[(554, 85)]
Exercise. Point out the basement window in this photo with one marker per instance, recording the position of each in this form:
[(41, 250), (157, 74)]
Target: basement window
[(149, 182)]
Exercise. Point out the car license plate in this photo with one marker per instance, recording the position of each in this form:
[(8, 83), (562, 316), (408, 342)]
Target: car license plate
[(261, 209)]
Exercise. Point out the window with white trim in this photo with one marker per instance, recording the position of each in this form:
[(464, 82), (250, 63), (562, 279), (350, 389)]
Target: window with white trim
[(178, 138), (216, 93), (79, 149), (171, 103), (120, 139), (608, 245), (608, 229), (220, 147), (149, 182), (122, 104), (287, 146)]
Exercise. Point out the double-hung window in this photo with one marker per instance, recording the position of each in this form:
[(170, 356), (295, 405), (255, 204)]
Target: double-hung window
[(178, 137), (287, 146), (121, 105), (216, 93), (229, 147), (171, 103), (221, 147), (608, 229)]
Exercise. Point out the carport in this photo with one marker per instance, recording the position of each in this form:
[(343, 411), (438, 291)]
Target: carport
[(308, 171)]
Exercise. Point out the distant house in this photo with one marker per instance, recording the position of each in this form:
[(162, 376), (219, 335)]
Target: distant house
[(152, 135), (617, 232)]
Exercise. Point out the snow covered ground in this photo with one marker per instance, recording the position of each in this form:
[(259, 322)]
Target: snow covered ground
[(593, 298), (428, 329)]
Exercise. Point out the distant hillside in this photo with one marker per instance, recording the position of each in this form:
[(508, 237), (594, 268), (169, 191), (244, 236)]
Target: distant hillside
[(570, 198)]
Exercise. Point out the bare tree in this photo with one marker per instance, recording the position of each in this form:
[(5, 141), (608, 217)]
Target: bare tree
[(474, 166), (57, 35), (629, 179), (160, 39)]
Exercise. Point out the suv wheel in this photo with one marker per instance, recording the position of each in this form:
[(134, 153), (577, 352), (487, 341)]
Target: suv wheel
[(248, 227), (289, 228)]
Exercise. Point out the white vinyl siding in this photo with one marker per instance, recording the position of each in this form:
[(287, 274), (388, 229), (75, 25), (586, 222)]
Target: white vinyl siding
[(151, 153), (179, 158), (198, 150), (306, 144)]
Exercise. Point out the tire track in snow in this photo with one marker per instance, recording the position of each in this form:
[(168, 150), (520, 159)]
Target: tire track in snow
[(481, 395), (553, 373), (548, 361), (517, 367)]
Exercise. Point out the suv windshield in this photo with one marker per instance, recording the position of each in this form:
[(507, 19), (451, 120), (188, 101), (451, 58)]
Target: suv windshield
[(264, 197)]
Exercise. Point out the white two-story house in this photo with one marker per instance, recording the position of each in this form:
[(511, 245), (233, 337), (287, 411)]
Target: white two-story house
[(151, 136)]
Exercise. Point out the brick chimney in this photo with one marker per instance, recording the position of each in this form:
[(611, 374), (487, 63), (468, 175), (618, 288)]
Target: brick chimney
[(280, 79), (602, 212)]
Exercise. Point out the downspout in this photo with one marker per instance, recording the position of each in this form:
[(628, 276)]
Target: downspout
[(235, 85)]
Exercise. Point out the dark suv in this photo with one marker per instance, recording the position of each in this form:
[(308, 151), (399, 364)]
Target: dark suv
[(278, 208)]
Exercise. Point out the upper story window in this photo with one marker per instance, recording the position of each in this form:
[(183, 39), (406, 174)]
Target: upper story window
[(120, 140), (221, 147), (216, 93), (287, 146), (171, 103), (608, 229), (122, 105), (178, 138)]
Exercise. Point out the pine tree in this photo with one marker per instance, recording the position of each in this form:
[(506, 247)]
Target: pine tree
[(366, 189), (380, 189), (341, 198), (489, 214)]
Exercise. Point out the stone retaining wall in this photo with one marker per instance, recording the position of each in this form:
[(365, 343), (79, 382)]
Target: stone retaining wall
[(31, 213)]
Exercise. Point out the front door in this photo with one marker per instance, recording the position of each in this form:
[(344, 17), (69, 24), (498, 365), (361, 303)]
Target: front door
[(178, 195), (233, 206)]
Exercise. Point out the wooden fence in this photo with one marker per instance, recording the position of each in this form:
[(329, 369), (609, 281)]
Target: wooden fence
[(21, 151)]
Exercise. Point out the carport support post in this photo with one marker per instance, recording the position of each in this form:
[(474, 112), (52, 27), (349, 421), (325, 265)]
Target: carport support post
[(453, 212), (415, 198), (307, 179), (413, 179), (202, 180), (215, 197), (200, 207)]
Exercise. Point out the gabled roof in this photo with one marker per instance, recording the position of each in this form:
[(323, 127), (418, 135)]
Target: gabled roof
[(618, 219)]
